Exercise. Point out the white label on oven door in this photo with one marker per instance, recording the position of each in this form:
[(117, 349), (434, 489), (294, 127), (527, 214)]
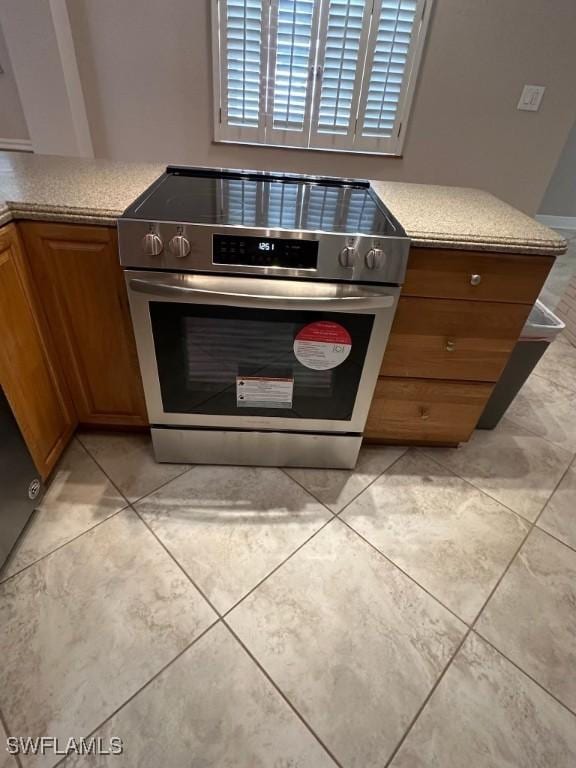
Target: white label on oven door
[(322, 345), (264, 392)]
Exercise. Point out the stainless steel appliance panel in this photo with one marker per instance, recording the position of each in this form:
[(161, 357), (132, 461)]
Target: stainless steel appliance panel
[(144, 288), (20, 484), (267, 449), (389, 266)]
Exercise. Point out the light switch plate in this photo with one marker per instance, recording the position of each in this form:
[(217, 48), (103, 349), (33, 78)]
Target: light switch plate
[(531, 97)]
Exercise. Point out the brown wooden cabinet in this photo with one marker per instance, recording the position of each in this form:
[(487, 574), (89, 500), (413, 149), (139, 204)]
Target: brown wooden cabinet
[(81, 290), (459, 317), (443, 339), (425, 411), (28, 363)]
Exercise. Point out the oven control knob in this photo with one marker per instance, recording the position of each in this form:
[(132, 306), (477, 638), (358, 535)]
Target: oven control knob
[(374, 258), (179, 246), (347, 257), (152, 245)]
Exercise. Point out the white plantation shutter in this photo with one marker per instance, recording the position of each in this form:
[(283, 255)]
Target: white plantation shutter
[(391, 52), (242, 62), (342, 48), (325, 74), (293, 32)]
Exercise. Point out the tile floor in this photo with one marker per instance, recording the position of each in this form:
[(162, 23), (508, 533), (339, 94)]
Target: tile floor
[(418, 612), (564, 268)]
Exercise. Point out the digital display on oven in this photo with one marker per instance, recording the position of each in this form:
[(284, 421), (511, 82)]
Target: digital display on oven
[(265, 252)]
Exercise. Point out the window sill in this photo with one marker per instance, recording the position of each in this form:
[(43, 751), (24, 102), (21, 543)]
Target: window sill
[(334, 150)]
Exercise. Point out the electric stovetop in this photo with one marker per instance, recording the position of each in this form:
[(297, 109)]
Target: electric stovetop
[(268, 200)]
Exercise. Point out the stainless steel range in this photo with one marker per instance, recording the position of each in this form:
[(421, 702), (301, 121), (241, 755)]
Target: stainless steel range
[(262, 304)]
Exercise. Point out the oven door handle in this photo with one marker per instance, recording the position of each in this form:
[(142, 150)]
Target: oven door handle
[(363, 300)]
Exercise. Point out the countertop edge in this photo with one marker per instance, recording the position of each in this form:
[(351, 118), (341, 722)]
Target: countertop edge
[(101, 217)]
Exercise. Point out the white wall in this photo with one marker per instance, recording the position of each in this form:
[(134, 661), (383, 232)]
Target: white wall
[(146, 72), (12, 120), (560, 197), (39, 41)]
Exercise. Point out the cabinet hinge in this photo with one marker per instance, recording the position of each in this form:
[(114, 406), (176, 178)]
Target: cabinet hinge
[(424, 8), (399, 130), (220, 115)]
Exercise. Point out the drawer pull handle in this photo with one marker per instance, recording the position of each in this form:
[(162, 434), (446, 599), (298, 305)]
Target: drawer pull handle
[(450, 345), (475, 279), (424, 413)]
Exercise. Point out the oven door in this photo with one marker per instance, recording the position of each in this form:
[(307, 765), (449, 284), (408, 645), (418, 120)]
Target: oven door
[(258, 353)]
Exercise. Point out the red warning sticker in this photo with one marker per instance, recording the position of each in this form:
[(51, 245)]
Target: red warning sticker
[(322, 345)]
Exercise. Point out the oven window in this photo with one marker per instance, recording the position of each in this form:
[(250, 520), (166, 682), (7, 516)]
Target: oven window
[(232, 361)]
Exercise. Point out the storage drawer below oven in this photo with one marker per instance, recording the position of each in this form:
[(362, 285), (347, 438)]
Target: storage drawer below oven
[(425, 410), (444, 339)]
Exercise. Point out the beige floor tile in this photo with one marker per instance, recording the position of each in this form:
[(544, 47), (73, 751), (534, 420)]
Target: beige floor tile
[(128, 460), (85, 628), (452, 539), (212, 708), (337, 487), (558, 364), (486, 714), (230, 526), (6, 760), (354, 644), (531, 616), (559, 516), (548, 409), (511, 464), (78, 497)]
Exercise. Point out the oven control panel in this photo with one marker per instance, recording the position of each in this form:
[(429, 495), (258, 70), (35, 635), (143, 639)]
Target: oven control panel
[(265, 252)]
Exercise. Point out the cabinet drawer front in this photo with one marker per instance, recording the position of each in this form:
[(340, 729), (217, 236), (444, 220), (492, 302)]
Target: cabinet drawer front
[(425, 411), (438, 338), (444, 273)]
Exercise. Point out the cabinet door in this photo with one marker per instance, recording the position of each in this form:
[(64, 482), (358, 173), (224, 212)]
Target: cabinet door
[(28, 374), (79, 279)]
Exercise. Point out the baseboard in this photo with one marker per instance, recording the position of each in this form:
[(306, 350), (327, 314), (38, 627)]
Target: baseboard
[(557, 222), (23, 145)]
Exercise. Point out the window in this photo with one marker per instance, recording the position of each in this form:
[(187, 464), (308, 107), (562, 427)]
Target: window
[(320, 74)]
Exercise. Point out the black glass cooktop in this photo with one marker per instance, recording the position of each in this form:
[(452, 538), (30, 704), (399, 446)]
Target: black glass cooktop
[(271, 201)]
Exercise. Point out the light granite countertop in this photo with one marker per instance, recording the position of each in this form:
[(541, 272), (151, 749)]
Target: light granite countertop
[(77, 190)]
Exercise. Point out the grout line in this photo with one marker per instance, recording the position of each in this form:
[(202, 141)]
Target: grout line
[(553, 380), (537, 434), (290, 556), (378, 476), (427, 699), (558, 484), (162, 485), (489, 495), (8, 733), (555, 538), (64, 544), (87, 452), (281, 693), (143, 687), (178, 564), (252, 589), (523, 671), (471, 628), (411, 578), (132, 501), (476, 487), (531, 527)]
